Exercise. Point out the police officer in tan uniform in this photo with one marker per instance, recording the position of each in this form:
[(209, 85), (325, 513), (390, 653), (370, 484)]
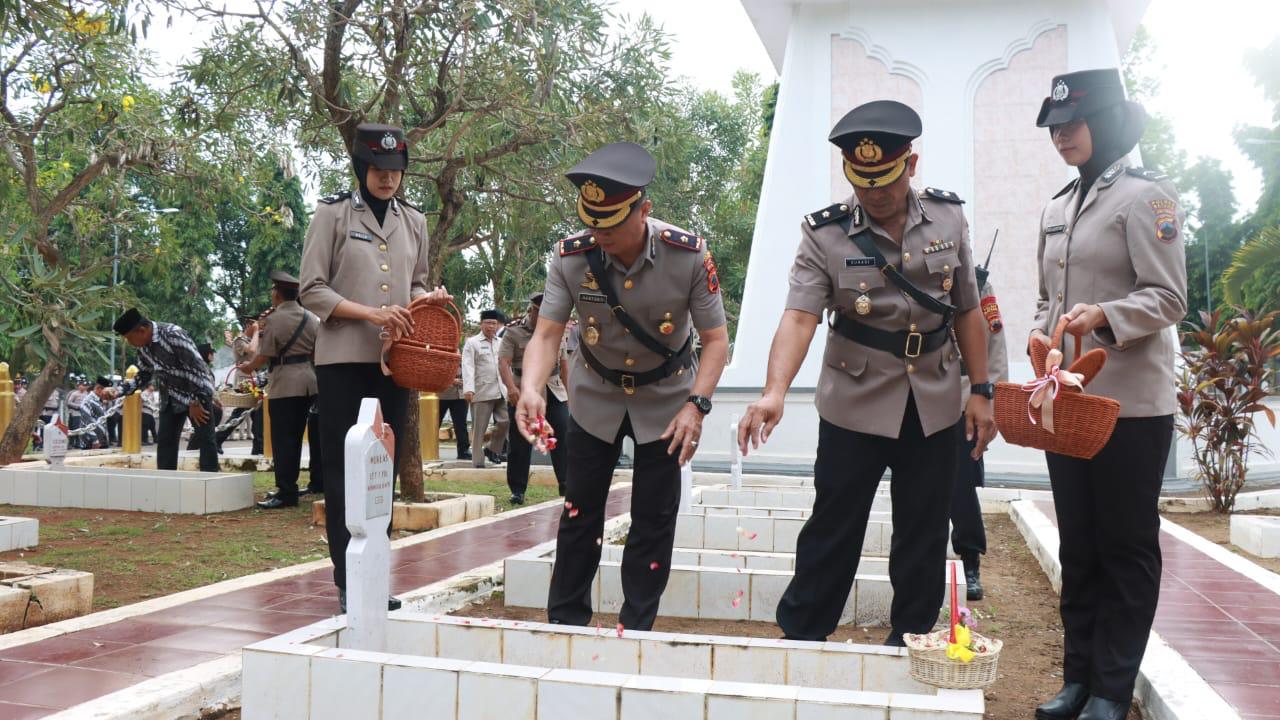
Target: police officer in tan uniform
[(244, 347), (511, 368), (968, 532), (1111, 259), (363, 261), (892, 269), (286, 343), (641, 288)]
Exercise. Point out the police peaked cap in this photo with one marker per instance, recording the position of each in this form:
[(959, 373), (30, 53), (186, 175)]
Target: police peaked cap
[(611, 182), (283, 279), (382, 146), (875, 140)]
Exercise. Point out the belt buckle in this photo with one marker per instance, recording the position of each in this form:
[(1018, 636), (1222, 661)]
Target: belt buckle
[(919, 344), (629, 384)]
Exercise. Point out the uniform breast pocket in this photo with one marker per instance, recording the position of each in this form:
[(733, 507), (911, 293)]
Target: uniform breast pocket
[(860, 280), (668, 320), (942, 263)]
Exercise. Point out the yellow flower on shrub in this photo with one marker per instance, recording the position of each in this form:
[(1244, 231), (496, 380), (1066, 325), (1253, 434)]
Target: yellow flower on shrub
[(127, 103)]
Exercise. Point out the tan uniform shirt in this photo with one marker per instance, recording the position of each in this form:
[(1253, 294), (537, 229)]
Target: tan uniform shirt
[(348, 256), (861, 388), (243, 351), (480, 368), (453, 392), (1113, 253), (514, 342), (997, 356), (294, 379), (671, 281)]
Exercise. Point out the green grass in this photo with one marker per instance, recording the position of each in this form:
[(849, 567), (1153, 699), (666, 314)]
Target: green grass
[(498, 489)]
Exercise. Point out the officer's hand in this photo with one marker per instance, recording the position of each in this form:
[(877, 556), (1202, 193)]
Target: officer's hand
[(468, 397), (978, 418), (530, 407), (439, 296), (397, 320), (226, 334), (513, 395), (199, 416), (683, 431), (762, 417), (1085, 319)]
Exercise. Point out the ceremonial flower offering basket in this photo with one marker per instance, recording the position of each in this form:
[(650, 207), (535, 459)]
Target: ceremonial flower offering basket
[(955, 657), (243, 394), (428, 359), (931, 666), (1053, 413)]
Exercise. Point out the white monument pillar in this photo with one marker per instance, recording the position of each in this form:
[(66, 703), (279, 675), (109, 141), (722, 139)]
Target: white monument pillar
[(976, 73), (370, 459), (55, 441)]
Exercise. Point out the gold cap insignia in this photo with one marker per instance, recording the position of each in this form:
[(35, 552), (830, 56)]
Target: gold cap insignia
[(592, 192), (868, 152)]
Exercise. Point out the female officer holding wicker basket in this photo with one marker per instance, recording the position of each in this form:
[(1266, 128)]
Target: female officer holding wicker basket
[(1111, 269), (364, 259)]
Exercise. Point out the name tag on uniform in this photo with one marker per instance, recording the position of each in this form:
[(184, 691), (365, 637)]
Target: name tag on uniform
[(860, 262), (592, 297), (361, 236), (1055, 229)]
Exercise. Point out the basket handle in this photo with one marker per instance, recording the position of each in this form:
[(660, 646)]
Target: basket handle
[(422, 300), (388, 340), (1056, 344)]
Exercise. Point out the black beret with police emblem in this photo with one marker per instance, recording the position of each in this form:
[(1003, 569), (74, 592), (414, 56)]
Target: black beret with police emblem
[(382, 146)]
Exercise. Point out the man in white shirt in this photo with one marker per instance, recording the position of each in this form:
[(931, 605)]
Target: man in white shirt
[(482, 387)]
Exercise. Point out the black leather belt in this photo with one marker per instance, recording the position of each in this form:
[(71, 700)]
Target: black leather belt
[(899, 343), (291, 360), (630, 381)]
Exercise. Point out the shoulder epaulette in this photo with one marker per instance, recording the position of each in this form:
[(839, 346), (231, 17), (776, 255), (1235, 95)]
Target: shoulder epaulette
[(1066, 189), (944, 195), (336, 197), (681, 239), (576, 244), (829, 214), (1145, 174)]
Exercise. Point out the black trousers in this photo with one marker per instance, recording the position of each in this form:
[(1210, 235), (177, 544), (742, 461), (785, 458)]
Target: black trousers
[(342, 386), (291, 418), (457, 410), (520, 452), (1109, 527), (655, 502), (968, 534), (172, 418), (113, 430), (845, 476), (255, 428), (148, 429)]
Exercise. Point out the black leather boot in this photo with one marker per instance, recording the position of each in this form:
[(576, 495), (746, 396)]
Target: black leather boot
[(1066, 705), (1103, 709), (972, 578)]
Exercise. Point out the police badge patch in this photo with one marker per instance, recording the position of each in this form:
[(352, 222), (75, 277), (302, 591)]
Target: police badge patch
[(1061, 92), (713, 277), (1166, 212), (389, 141)]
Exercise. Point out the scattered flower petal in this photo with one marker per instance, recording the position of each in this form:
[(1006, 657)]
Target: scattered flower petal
[(654, 565), (619, 629)]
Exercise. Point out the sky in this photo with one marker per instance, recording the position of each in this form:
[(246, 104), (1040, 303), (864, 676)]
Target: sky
[(1200, 46)]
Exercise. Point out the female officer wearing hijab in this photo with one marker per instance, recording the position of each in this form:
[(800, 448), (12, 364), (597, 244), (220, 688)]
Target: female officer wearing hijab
[(364, 259), (1111, 260)]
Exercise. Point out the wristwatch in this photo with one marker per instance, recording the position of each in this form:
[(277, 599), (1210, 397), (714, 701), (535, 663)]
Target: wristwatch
[(986, 390), (701, 402)]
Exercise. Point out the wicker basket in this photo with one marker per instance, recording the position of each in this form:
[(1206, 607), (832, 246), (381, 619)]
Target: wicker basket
[(231, 399), (427, 360), (930, 664), (1083, 423)]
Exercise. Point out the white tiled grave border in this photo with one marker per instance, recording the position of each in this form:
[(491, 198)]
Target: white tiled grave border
[(771, 534), (797, 498), (1256, 534), (18, 532), (1167, 688), (701, 591), (100, 488), (468, 669)]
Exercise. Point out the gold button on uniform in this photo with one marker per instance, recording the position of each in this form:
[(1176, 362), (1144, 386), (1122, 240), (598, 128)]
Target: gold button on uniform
[(862, 286), (630, 362), (384, 287), (911, 367), (1062, 263), (843, 364), (913, 327), (906, 257), (382, 307), (1059, 297), (382, 247), (628, 284), (946, 268), (384, 267)]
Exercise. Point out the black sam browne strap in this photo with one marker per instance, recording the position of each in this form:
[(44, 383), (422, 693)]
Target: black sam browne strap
[(595, 258), (928, 302)]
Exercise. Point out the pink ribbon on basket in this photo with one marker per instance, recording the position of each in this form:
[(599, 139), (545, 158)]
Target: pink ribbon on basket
[(1045, 389)]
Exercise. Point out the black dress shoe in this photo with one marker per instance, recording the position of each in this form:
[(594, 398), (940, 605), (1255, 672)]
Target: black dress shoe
[(494, 457), (308, 490), (1103, 709), (276, 502), (973, 584), (517, 499), (393, 602), (895, 640), (464, 455), (1066, 705)]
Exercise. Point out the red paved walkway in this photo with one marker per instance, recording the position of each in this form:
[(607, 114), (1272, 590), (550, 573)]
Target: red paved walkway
[(1226, 625), (41, 678)]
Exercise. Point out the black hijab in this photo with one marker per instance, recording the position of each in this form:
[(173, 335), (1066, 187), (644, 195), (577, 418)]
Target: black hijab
[(1115, 130), (377, 205)]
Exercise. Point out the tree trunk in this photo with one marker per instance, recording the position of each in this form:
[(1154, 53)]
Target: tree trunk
[(18, 434), (411, 489)]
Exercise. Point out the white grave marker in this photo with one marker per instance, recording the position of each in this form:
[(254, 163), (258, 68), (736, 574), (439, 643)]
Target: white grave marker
[(370, 459), (55, 441), (735, 454)]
